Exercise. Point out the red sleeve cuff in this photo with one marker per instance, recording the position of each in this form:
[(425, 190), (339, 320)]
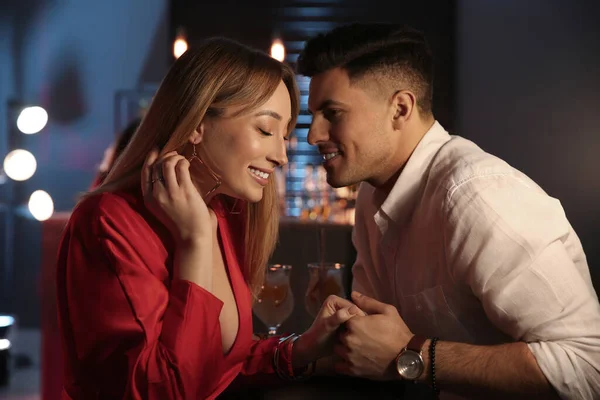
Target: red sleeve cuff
[(260, 359)]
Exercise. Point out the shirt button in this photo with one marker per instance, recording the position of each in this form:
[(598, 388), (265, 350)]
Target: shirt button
[(419, 307)]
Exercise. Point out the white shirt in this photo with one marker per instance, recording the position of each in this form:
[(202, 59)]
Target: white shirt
[(471, 250)]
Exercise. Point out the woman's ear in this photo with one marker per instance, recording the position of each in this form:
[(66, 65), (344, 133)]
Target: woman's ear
[(197, 134)]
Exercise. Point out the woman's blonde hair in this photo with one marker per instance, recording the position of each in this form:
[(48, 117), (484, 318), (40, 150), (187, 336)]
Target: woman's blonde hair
[(205, 81)]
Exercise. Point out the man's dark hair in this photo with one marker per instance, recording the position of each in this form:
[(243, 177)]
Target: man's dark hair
[(397, 54)]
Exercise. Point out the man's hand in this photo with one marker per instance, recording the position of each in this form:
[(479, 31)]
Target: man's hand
[(369, 344), (319, 339)]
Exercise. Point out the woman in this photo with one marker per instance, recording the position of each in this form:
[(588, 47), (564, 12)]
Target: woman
[(155, 284)]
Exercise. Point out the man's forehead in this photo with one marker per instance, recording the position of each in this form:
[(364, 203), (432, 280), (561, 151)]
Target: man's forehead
[(327, 86), (336, 78)]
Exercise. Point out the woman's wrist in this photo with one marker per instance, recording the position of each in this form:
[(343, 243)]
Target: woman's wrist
[(304, 351), (194, 262), (186, 241)]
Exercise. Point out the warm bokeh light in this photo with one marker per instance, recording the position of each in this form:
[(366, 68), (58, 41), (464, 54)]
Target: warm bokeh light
[(180, 46), (32, 120), (19, 165), (278, 50), (41, 205)]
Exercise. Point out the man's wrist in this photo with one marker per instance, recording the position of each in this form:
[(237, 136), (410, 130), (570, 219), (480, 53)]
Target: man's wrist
[(426, 375)]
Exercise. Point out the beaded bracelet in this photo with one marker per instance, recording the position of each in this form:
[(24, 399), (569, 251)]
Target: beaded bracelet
[(436, 390)]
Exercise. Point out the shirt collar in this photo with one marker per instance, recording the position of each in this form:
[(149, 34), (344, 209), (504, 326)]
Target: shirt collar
[(400, 203)]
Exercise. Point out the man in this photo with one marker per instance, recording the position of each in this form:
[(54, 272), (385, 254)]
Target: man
[(452, 242)]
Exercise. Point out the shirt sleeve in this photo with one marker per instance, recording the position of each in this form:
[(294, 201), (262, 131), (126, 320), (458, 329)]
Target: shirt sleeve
[(127, 333), (512, 244)]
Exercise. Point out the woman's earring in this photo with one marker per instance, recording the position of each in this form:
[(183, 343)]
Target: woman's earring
[(210, 171)]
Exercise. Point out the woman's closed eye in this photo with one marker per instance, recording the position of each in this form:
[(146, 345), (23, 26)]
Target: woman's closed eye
[(265, 133)]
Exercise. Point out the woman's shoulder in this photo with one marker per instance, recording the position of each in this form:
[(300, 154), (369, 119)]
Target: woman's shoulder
[(101, 204), (117, 209)]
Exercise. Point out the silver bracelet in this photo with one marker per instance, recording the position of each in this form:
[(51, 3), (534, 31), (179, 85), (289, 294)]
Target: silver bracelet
[(294, 337)]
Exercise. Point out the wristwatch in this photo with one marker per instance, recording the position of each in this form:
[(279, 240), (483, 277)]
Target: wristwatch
[(409, 363)]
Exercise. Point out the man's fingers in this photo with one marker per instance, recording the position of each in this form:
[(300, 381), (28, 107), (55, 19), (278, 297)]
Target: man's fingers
[(370, 305)]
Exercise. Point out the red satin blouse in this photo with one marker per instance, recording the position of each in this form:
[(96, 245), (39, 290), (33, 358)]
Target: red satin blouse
[(131, 331)]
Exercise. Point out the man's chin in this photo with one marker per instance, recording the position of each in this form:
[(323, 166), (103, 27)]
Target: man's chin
[(338, 182)]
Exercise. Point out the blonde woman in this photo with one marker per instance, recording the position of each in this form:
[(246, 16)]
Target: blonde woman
[(158, 266)]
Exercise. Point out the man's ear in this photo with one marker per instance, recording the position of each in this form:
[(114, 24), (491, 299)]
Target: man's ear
[(403, 105)]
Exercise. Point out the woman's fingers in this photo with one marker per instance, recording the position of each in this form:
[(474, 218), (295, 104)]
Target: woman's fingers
[(167, 170), (147, 172)]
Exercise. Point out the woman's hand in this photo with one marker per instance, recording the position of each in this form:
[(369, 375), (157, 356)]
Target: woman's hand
[(318, 340), (170, 194)]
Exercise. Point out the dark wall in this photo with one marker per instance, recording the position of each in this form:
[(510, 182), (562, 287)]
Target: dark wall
[(529, 92)]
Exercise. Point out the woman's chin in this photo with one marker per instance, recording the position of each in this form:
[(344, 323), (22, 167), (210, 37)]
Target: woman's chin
[(254, 196), (249, 195)]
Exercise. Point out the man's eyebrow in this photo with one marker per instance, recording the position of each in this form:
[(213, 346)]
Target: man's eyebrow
[(328, 103)]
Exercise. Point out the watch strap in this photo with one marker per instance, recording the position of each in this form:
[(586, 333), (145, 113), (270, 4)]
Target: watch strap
[(416, 343)]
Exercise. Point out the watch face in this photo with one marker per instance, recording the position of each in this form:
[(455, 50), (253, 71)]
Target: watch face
[(410, 365)]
